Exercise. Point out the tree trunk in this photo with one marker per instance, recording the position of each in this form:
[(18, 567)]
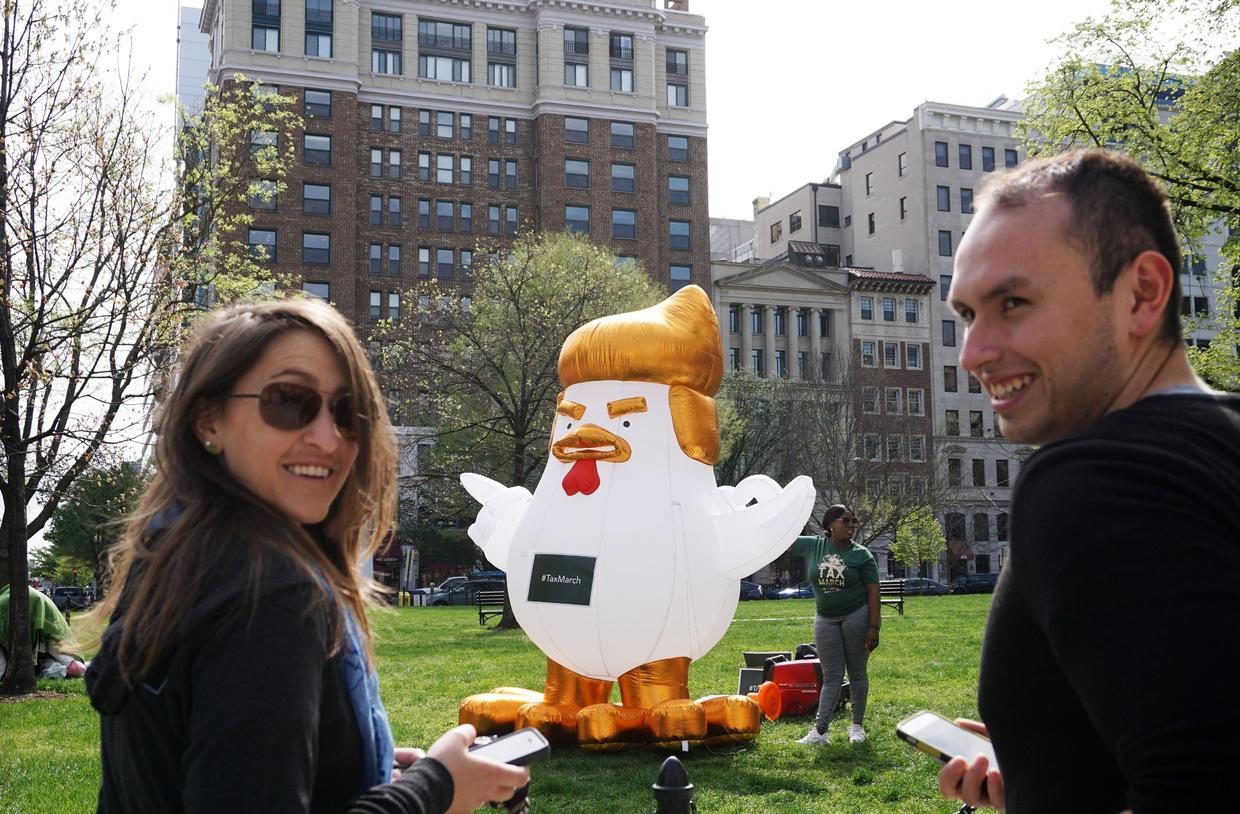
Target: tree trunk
[(19, 680), (509, 620)]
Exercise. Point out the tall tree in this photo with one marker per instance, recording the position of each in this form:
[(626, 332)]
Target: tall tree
[(101, 254), (1160, 80), (479, 361), (754, 416), (87, 523)]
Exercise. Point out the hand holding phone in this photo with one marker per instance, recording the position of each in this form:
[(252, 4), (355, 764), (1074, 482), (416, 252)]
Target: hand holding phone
[(516, 748), (971, 772)]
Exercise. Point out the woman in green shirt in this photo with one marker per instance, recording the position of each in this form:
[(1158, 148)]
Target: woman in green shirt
[(844, 578)]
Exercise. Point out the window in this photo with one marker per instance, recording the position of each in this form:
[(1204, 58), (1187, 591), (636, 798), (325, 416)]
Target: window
[(889, 309), (949, 333), (916, 405), (493, 123), (424, 263), (891, 354), (680, 276), (394, 260), (467, 264), (316, 199), (869, 353), (444, 35), (944, 198), (623, 178), (510, 131), (501, 74), (895, 452), (678, 234), (510, 173), (623, 134), (869, 400), (912, 356), (622, 79), (1001, 473), (467, 170), (677, 62), (966, 200), (734, 319), (493, 173), (951, 422), (988, 159), (901, 164), (445, 264), (576, 131), (261, 139), (445, 216), (424, 167), (376, 210), (903, 208), (376, 258), (263, 195), (265, 38), (945, 243), (493, 220), (577, 219), (394, 164), (781, 364), (828, 215), (1001, 526), (317, 150), (376, 117), (445, 168), (781, 322), (945, 284), (318, 44), (393, 119), (976, 427), (501, 41), (802, 367), (802, 322), (677, 148), (621, 46), (677, 89), (917, 448), (467, 127), (1009, 158), (954, 466), (385, 42), (424, 123), (794, 220), (444, 69), (576, 40), (974, 385), (467, 217), (869, 183), (316, 248), (678, 194), (825, 366), (867, 307), (910, 311), (318, 104), (393, 305), (510, 220), (576, 74), (262, 244), (755, 361), (979, 472), (443, 124), (953, 522), (1193, 264), (318, 291), (824, 322), (755, 320), (424, 213), (940, 153), (577, 173), (966, 156), (871, 223), (981, 530), (624, 223), (949, 378), (871, 447), (777, 231), (892, 401)]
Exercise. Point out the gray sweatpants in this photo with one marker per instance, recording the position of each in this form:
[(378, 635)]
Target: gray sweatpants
[(841, 642)]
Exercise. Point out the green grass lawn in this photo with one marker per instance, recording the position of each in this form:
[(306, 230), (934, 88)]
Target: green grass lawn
[(430, 658)]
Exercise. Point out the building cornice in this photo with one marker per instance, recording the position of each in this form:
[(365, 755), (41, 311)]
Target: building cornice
[(208, 14)]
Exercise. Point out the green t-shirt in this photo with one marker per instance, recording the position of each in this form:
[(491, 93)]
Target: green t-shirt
[(838, 578)]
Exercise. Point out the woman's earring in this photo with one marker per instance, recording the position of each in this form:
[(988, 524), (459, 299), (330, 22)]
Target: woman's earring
[(212, 447)]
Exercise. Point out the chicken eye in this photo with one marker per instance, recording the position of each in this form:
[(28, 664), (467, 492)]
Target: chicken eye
[(568, 426), (626, 423)]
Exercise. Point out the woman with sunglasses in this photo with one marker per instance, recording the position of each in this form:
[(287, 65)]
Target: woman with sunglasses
[(844, 578), (236, 673)]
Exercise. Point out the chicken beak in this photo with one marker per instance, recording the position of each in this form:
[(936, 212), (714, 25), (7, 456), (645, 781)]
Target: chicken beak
[(590, 442)]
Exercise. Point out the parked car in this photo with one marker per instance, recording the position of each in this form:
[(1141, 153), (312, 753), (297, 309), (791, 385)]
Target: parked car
[(750, 590), (802, 591), (920, 586), (464, 593), (69, 598), (442, 587), (974, 584)]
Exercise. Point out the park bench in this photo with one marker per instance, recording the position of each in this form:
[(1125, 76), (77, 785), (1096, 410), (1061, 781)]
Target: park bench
[(490, 603), (891, 592)]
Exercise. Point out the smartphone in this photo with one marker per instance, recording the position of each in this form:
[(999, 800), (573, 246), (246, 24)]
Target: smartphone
[(516, 748), (938, 737)]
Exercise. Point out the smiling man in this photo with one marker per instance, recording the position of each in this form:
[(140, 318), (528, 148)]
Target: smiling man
[(1105, 678)]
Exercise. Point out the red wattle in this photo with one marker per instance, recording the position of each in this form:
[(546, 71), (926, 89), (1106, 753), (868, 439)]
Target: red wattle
[(583, 477)]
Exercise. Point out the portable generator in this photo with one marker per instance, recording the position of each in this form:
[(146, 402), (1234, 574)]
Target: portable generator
[(789, 686)]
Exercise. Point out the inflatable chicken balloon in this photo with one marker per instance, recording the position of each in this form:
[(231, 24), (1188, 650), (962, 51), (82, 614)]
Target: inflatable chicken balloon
[(623, 566)]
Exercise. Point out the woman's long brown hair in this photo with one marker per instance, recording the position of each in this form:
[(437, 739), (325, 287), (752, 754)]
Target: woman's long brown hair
[(160, 578)]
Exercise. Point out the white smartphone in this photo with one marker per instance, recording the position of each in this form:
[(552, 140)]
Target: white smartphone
[(516, 748), (938, 737)]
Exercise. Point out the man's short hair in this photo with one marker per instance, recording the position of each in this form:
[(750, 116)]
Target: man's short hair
[(1117, 211)]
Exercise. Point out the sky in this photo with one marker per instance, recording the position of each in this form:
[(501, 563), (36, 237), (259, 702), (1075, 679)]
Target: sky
[(792, 82)]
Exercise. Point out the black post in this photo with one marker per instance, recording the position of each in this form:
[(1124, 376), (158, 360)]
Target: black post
[(673, 793)]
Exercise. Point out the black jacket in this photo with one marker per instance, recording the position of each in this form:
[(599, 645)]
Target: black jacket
[(245, 713)]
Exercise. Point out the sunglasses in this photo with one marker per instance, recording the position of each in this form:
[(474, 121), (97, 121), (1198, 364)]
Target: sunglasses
[(290, 406), (850, 521)]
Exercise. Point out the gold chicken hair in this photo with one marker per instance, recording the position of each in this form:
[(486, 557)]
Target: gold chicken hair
[(623, 565)]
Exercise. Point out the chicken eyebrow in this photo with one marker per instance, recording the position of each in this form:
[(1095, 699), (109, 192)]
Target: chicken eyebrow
[(571, 409), (636, 404)]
